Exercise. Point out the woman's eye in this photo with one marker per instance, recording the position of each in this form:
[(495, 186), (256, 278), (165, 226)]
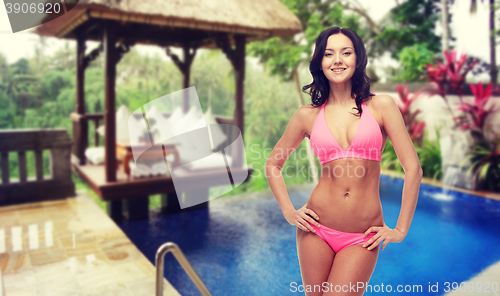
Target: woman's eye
[(328, 54), (347, 53)]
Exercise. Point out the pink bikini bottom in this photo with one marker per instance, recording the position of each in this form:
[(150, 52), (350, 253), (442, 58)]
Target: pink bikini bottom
[(338, 239)]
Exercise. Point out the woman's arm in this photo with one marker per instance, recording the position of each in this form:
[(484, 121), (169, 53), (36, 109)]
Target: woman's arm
[(396, 130), (291, 139)]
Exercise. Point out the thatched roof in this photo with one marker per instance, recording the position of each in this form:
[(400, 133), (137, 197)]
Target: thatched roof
[(258, 19)]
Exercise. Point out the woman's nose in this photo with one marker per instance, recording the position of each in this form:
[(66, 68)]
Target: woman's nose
[(337, 60)]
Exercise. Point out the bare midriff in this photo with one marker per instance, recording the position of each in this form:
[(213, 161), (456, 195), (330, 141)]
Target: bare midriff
[(347, 196)]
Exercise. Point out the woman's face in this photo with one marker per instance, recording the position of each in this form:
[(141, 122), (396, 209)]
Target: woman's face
[(339, 60)]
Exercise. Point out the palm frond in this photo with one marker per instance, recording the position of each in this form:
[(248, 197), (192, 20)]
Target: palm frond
[(483, 171)]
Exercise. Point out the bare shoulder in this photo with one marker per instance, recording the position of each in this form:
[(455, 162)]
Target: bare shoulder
[(381, 102), (299, 115), (306, 111), (383, 106), (308, 115)]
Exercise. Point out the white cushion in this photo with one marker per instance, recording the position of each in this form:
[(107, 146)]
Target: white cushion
[(213, 161), (100, 130), (187, 122), (189, 149), (176, 115), (202, 148), (95, 154), (122, 115), (154, 169), (153, 112), (164, 132), (122, 121)]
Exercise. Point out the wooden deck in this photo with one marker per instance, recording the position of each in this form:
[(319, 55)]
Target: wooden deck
[(128, 187)]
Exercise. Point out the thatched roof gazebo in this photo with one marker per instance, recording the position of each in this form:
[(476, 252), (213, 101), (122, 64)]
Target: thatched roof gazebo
[(187, 24)]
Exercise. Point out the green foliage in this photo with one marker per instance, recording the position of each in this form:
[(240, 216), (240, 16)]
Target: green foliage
[(429, 155), (271, 104), (6, 117), (20, 67), (53, 82), (485, 165), (411, 22), (413, 61), (94, 88), (390, 159)]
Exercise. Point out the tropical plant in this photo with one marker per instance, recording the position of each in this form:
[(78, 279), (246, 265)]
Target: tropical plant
[(414, 127), (449, 77), (429, 155), (390, 159), (430, 158), (413, 61), (485, 166), (484, 158), (476, 111)]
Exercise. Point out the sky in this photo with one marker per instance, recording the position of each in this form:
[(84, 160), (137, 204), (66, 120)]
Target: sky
[(470, 30)]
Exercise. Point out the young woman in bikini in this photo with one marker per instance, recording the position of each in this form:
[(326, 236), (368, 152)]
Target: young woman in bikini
[(341, 227)]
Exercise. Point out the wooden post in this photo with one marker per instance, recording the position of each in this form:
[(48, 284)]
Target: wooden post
[(80, 129), (110, 57), (186, 71), (239, 113), (237, 58), (114, 210), (136, 208), (80, 73), (170, 202)]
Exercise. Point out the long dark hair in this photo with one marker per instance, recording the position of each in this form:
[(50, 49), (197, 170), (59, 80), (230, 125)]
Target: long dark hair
[(319, 89)]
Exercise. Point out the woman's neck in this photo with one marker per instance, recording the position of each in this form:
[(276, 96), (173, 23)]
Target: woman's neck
[(340, 93)]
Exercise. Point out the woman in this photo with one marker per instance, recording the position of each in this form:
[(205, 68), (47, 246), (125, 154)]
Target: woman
[(341, 227)]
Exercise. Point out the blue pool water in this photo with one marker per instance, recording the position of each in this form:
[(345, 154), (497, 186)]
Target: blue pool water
[(248, 248)]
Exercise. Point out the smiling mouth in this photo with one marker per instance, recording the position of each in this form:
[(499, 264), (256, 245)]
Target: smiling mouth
[(338, 70)]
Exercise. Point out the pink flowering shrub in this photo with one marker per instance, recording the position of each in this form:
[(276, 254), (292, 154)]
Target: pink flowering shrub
[(415, 128)]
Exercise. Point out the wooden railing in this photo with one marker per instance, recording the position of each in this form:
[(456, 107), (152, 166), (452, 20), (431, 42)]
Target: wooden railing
[(55, 186)]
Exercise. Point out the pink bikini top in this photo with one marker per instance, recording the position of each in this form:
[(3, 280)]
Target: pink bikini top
[(366, 144)]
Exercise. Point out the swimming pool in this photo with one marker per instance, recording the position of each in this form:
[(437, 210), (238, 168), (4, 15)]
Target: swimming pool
[(248, 248)]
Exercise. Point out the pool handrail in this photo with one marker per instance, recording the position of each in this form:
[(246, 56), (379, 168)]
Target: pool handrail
[(179, 256)]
